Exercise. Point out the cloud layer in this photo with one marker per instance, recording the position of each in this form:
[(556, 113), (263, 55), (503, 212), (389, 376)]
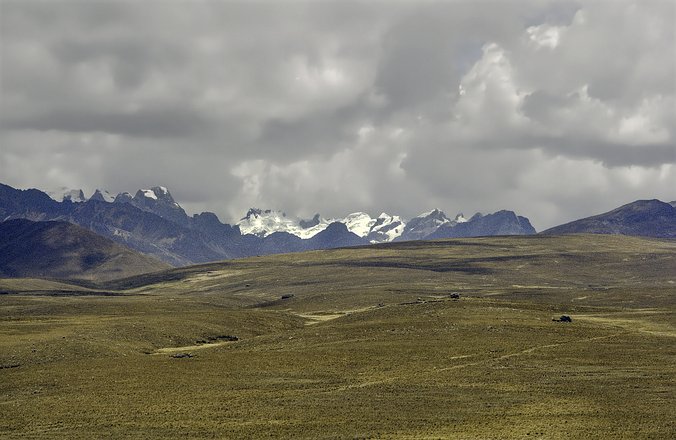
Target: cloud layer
[(556, 109)]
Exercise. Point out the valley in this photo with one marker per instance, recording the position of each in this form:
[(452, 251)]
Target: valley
[(426, 339)]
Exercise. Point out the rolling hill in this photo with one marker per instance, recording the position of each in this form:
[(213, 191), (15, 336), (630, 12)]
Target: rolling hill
[(456, 338), (649, 218), (62, 250)]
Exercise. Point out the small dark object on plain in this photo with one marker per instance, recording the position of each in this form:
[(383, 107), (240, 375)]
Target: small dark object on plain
[(181, 355), (14, 365), (247, 285), (563, 318), (288, 296), (229, 338), (454, 295)]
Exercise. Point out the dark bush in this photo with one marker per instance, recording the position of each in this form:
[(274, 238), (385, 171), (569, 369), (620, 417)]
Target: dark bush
[(563, 318), (181, 355)]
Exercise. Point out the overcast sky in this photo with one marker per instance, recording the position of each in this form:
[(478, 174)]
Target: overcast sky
[(554, 109)]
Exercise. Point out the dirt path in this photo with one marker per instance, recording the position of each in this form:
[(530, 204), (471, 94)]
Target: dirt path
[(316, 319), (479, 362), (170, 350)]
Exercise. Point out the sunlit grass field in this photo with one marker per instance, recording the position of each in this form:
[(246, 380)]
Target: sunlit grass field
[(444, 339)]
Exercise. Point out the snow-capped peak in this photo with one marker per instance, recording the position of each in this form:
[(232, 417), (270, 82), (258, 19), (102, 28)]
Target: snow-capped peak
[(148, 193), (426, 223), (435, 215), (386, 219), (460, 218), (359, 223), (386, 228), (157, 193), (65, 194), (430, 213), (254, 213), (265, 222), (158, 200)]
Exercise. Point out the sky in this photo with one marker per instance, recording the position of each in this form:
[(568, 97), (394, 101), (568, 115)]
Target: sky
[(554, 109)]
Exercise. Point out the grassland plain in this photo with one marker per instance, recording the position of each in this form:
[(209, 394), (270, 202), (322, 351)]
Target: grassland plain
[(367, 343)]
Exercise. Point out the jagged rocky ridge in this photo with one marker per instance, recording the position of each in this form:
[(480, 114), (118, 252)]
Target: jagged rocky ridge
[(152, 222)]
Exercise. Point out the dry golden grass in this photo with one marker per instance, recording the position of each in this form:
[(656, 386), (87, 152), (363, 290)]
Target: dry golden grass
[(388, 353)]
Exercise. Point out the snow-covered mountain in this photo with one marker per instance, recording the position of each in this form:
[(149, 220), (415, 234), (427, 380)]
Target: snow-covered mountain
[(157, 200), (420, 227), (151, 221), (66, 194), (359, 223), (386, 228), (262, 223), (423, 225)]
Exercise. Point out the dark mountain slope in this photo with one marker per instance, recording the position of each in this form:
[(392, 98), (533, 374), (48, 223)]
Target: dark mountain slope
[(499, 223), (30, 203), (648, 218), (63, 250), (334, 236), (147, 232)]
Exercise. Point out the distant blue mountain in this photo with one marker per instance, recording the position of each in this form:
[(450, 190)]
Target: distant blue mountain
[(649, 218), (499, 223)]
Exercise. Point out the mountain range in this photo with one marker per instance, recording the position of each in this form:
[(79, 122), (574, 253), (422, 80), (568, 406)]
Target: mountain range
[(152, 222)]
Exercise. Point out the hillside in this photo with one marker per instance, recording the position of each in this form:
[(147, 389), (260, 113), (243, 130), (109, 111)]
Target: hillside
[(444, 339), (63, 250), (648, 218)]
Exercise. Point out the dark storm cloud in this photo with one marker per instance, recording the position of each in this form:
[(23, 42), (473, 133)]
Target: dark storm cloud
[(130, 61), (548, 107), (161, 122)]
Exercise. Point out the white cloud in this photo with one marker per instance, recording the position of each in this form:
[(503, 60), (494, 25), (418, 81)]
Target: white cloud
[(554, 109), (490, 99), (545, 35)]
